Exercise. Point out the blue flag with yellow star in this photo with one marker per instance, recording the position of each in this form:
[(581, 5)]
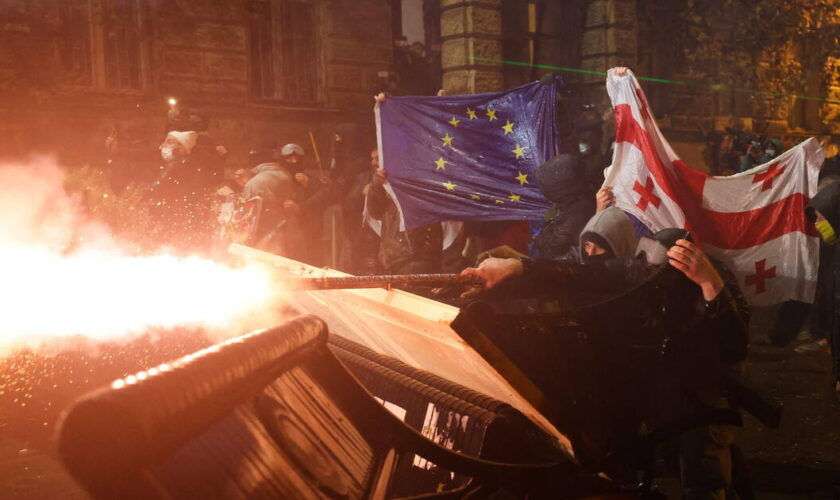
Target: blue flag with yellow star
[(468, 157)]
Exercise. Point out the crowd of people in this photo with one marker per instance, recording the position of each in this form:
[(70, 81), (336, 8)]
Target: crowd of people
[(345, 216)]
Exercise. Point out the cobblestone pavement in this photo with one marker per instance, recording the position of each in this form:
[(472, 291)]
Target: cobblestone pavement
[(801, 459)]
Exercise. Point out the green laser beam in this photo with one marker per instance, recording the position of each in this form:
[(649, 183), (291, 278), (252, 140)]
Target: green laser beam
[(714, 88)]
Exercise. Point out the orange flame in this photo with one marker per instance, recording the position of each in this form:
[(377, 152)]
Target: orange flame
[(98, 290)]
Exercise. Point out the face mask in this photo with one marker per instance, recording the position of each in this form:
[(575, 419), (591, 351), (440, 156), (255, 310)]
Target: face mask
[(583, 148), (166, 153), (770, 152), (826, 232)]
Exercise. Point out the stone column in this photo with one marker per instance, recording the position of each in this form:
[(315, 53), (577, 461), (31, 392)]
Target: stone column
[(471, 35), (609, 38)]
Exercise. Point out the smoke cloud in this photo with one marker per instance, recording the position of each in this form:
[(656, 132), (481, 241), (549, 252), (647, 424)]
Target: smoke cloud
[(65, 275)]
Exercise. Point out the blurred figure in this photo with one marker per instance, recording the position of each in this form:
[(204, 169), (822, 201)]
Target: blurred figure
[(824, 212), (561, 181), (402, 251), (181, 197), (361, 251), (278, 230)]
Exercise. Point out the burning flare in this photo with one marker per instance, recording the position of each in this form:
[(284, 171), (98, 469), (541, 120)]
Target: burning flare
[(63, 274)]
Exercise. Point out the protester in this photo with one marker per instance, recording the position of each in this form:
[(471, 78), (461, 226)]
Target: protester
[(704, 322), (824, 212), (402, 251), (279, 228), (360, 254), (759, 152), (562, 182), (180, 198)]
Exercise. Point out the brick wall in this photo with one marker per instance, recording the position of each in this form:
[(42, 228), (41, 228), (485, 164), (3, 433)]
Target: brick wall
[(198, 52)]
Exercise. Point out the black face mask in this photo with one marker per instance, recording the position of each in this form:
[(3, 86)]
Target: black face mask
[(294, 168), (597, 259)]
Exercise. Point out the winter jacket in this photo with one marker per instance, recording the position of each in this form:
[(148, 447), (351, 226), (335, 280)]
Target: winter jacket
[(271, 182), (417, 250), (279, 230)]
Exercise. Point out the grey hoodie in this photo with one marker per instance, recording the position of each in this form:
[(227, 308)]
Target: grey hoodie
[(613, 227), (271, 182)]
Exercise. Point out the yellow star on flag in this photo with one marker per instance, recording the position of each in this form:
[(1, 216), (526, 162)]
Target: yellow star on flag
[(519, 152), (491, 113), (522, 178), (514, 197), (449, 186), (454, 121), (447, 140), (471, 114), (508, 127), (475, 197), (440, 164), (500, 202)]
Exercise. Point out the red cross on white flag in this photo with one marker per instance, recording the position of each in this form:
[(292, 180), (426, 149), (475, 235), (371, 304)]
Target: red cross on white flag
[(754, 222)]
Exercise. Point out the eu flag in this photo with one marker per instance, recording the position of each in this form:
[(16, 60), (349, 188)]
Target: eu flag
[(468, 157)]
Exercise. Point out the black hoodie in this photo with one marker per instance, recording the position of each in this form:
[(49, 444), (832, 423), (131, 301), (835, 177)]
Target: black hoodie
[(561, 181)]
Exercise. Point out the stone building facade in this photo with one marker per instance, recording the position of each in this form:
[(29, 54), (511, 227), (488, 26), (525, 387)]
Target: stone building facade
[(260, 70), (587, 37), (275, 70)]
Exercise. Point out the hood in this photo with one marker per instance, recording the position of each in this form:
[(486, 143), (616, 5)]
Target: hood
[(826, 202), (561, 179), (613, 227)]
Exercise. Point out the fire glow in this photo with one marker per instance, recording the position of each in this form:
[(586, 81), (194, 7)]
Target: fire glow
[(96, 289)]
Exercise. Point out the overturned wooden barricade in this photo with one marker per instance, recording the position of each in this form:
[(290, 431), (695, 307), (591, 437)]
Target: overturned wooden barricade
[(275, 414)]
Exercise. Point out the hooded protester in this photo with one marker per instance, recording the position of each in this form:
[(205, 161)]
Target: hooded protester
[(824, 212), (609, 234), (698, 312), (561, 181), (181, 196)]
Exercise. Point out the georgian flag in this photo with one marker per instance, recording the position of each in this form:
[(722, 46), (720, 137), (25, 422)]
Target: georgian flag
[(754, 222)]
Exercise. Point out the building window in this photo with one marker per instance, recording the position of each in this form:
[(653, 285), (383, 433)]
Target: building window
[(284, 51), (103, 44)]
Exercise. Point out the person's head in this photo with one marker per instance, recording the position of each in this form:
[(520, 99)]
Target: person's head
[(177, 145), (374, 158), (772, 148), (291, 155), (608, 234), (561, 180)]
